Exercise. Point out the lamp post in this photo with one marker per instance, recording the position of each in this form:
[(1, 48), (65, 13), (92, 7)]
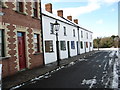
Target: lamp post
[(56, 28)]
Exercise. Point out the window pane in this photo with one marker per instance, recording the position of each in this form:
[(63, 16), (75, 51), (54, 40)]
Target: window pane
[(36, 42), (63, 45), (73, 33), (19, 34), (87, 44), (72, 45), (51, 28), (81, 34), (81, 44), (48, 46), (64, 30), (1, 44)]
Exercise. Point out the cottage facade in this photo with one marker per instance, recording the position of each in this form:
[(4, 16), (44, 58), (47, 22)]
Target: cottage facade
[(73, 39), (20, 36)]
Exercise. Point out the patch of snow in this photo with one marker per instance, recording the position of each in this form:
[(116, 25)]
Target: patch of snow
[(112, 54), (17, 86), (105, 72), (99, 65), (82, 60), (37, 78), (62, 67), (72, 63), (105, 56), (90, 82), (110, 62), (115, 75), (106, 84), (47, 76), (106, 49), (105, 66), (103, 77)]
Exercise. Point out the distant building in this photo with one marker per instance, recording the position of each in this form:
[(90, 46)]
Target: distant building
[(20, 36), (73, 39)]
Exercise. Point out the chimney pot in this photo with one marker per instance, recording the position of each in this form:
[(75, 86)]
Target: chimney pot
[(48, 7), (60, 13), (69, 17), (76, 21)]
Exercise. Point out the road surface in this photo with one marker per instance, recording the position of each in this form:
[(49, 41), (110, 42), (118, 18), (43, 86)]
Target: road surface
[(95, 71)]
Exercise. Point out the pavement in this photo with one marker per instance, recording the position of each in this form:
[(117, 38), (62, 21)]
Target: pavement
[(27, 75)]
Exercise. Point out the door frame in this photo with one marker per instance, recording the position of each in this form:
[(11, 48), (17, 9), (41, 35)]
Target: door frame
[(85, 46), (24, 35)]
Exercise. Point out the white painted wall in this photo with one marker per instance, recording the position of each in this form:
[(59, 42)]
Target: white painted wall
[(84, 39), (52, 56)]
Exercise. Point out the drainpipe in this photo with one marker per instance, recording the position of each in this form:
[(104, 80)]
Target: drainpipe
[(42, 33)]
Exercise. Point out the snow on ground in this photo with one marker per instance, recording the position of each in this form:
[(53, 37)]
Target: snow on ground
[(115, 75), (106, 49), (18, 86), (112, 54), (90, 82), (105, 66), (34, 80), (82, 60)]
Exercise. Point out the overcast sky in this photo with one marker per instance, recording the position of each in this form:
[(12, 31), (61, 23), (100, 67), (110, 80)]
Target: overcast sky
[(98, 16)]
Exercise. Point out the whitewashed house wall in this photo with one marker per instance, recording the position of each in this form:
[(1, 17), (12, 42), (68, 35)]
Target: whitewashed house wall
[(50, 57)]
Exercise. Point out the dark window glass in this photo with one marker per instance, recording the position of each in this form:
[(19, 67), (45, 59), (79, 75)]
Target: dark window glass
[(20, 6), (81, 34), (36, 42), (35, 9), (90, 44), (51, 28), (48, 46), (72, 45), (86, 44), (87, 35), (64, 31), (1, 44), (81, 44), (63, 45), (73, 32)]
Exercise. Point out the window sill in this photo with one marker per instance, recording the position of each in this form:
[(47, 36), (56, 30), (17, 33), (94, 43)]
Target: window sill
[(37, 53), (4, 58), (52, 33), (35, 18), (50, 52), (20, 12)]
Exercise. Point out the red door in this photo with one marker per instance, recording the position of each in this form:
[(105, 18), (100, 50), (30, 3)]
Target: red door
[(21, 50)]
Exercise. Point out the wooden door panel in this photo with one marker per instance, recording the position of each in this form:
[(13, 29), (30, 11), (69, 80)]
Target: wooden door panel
[(21, 50)]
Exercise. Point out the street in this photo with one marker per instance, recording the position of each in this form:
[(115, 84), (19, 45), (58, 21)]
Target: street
[(95, 71)]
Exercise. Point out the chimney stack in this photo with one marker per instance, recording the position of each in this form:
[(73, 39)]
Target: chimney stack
[(69, 17), (76, 21), (60, 13), (48, 7)]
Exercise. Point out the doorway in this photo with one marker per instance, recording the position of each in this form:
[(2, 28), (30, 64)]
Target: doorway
[(21, 50), (68, 45)]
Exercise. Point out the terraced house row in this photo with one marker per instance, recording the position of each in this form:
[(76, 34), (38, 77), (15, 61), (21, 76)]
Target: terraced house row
[(28, 36)]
